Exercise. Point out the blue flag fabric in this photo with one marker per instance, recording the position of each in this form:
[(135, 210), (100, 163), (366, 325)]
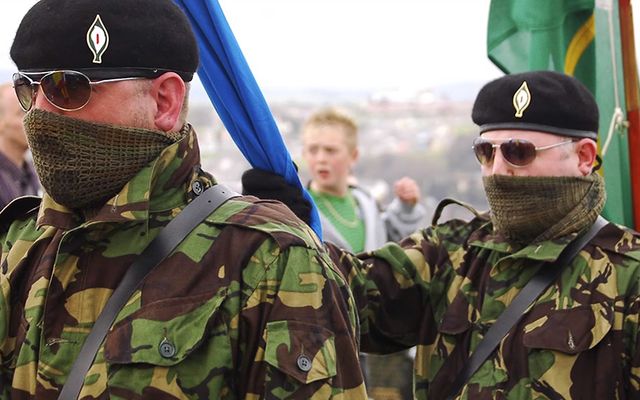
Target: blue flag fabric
[(235, 94)]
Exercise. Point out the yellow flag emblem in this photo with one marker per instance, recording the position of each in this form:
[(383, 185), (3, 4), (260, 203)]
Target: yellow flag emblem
[(521, 99)]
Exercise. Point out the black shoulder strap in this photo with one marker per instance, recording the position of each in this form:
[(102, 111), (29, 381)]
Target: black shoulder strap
[(18, 208), (159, 248), (512, 314), (448, 201)]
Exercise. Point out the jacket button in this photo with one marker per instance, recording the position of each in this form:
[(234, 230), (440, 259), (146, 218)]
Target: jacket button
[(167, 349), (197, 188), (304, 363)]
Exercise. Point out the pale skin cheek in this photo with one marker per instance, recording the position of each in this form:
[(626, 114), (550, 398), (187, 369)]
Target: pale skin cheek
[(119, 103), (536, 169), (553, 162)]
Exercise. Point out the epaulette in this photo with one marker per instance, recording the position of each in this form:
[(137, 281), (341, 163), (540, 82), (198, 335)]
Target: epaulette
[(438, 212), (17, 208), (270, 217)]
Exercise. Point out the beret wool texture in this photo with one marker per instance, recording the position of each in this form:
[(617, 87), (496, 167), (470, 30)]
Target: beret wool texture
[(148, 34), (544, 101)]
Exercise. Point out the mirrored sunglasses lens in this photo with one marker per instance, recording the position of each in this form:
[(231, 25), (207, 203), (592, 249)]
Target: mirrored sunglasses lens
[(24, 91), (483, 151), (518, 152), (66, 89)]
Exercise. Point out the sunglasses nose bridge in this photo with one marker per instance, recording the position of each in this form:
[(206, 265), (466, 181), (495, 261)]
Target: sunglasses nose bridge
[(499, 164), (41, 100), (499, 158), (35, 88)]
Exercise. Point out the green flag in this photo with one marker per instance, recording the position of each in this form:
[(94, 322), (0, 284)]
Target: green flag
[(528, 35), (582, 40)]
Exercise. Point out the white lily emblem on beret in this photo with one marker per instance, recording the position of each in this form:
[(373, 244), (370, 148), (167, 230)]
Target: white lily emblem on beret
[(97, 39), (521, 99)]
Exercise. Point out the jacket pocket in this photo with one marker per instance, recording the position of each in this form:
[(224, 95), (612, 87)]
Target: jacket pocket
[(570, 331), (163, 333), (303, 351)]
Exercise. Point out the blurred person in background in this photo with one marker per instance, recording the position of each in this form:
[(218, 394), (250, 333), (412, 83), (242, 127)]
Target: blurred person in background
[(17, 175), (352, 219)]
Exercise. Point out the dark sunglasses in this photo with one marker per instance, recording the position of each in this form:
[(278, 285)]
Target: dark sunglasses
[(65, 89), (517, 152)]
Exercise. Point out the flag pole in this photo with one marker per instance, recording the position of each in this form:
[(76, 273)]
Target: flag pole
[(630, 72)]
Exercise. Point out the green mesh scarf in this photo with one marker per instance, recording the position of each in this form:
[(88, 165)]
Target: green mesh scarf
[(82, 164), (535, 209)]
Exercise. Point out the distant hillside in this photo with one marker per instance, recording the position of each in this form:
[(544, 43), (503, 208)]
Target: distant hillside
[(463, 91)]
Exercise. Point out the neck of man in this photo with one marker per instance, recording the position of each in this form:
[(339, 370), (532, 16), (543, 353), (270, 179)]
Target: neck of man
[(339, 191), (13, 151)]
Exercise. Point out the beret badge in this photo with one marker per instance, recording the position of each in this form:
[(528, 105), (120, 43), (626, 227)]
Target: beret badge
[(521, 99), (106, 38), (538, 101), (97, 39)]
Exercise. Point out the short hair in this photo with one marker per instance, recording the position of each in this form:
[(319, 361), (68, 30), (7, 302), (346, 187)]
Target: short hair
[(334, 117)]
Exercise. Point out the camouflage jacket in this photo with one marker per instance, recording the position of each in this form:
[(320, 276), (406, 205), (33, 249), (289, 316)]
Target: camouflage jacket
[(248, 306), (443, 287)]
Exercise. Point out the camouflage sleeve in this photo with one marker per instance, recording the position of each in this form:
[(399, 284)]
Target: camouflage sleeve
[(4, 317), (15, 211), (297, 329), (631, 328), (391, 287)]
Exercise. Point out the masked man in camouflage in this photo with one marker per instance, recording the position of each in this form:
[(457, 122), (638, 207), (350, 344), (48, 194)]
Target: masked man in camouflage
[(247, 306), (443, 287)]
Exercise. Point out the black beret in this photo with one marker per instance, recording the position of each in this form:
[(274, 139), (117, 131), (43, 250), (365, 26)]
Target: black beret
[(544, 101), (111, 35)]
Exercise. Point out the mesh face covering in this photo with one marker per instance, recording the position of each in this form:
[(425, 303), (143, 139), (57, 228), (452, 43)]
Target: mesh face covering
[(534, 209), (82, 164)]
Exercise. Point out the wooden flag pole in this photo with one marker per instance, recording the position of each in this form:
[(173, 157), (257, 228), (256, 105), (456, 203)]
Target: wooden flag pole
[(631, 88)]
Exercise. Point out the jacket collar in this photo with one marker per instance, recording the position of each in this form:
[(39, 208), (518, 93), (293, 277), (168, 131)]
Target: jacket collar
[(165, 183)]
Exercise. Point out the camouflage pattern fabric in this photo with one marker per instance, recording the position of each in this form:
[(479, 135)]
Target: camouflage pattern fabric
[(389, 376), (249, 306), (444, 286)]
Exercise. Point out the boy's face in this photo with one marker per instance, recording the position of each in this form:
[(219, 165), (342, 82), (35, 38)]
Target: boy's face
[(329, 158)]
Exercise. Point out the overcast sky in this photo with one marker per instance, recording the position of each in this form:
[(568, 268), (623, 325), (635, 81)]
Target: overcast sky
[(350, 44)]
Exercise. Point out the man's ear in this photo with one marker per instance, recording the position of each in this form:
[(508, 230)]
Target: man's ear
[(587, 151), (168, 91)]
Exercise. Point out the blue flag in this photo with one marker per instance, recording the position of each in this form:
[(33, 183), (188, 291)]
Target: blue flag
[(235, 94)]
